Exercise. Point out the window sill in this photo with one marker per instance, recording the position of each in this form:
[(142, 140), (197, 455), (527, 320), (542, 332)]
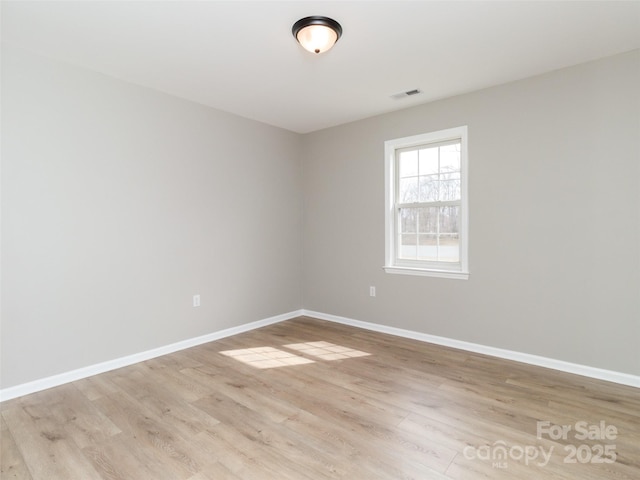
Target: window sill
[(422, 272)]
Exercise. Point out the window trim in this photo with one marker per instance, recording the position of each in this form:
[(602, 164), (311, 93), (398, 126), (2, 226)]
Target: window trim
[(432, 269)]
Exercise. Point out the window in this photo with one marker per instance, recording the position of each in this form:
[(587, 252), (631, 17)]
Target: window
[(426, 214)]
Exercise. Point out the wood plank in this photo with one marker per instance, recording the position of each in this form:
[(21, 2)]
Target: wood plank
[(12, 464), (47, 448)]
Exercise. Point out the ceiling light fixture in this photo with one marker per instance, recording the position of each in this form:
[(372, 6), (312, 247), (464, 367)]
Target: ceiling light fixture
[(317, 34)]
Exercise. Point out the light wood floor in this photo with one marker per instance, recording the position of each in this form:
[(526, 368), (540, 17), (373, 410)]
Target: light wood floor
[(307, 399)]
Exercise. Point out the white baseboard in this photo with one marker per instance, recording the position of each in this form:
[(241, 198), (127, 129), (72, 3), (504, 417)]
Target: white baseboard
[(60, 379), (586, 371)]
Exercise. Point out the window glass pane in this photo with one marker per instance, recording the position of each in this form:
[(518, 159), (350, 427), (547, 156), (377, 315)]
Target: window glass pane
[(450, 158), (449, 237), (449, 219), (428, 188), (408, 220), (408, 247), (408, 164), (450, 187), (408, 191), (449, 250), (428, 220), (450, 176), (429, 161), (428, 248)]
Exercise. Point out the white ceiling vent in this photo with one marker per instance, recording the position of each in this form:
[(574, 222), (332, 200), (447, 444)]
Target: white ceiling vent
[(408, 93)]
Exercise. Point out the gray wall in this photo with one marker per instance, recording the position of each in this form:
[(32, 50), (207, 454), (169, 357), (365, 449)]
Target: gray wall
[(119, 203), (554, 250)]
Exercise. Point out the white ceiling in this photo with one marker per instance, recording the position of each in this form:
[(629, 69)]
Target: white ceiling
[(240, 56)]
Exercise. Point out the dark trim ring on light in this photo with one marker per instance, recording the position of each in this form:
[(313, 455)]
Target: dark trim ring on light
[(317, 20)]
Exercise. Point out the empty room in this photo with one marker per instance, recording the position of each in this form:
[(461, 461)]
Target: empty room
[(309, 240)]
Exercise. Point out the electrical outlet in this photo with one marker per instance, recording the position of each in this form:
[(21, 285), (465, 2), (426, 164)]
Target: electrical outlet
[(372, 291), (196, 300)]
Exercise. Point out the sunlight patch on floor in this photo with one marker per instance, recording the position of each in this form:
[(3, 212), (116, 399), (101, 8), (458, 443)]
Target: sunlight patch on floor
[(326, 350), (266, 357)]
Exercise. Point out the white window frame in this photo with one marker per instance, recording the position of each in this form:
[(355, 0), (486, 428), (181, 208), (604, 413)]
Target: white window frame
[(459, 270)]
